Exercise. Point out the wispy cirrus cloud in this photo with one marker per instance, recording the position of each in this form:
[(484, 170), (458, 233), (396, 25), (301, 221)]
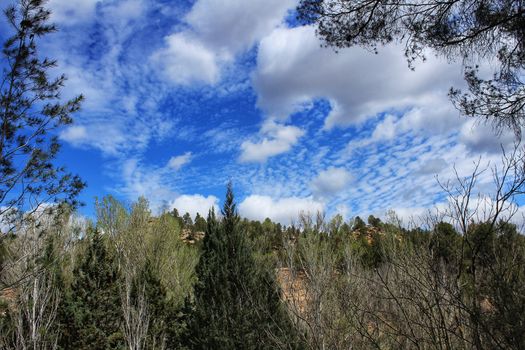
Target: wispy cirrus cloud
[(178, 162), (72, 12), (122, 111)]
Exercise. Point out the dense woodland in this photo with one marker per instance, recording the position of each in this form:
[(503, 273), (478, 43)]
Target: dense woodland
[(134, 279), (139, 281)]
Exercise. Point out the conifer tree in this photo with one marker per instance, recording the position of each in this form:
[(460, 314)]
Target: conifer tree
[(91, 314), (188, 222), (31, 111), (200, 223), (236, 303)]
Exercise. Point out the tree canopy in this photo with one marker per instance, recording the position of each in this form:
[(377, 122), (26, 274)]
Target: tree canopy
[(465, 30), (237, 302), (30, 110)]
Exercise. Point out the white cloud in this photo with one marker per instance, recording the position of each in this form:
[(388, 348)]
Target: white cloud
[(75, 134), (433, 166), (116, 138), (433, 114), (177, 162), (293, 69), (139, 180), (480, 137), (194, 204), (481, 208), (78, 12), (125, 10), (277, 139), (217, 31), (223, 138), (235, 25), (283, 210), (160, 185), (112, 76), (386, 130), (186, 61), (401, 173), (330, 182), (519, 218), (413, 216), (343, 210), (72, 12), (415, 133)]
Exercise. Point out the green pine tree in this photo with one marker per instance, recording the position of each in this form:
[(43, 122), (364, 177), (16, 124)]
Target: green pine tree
[(200, 223), (236, 302), (91, 313)]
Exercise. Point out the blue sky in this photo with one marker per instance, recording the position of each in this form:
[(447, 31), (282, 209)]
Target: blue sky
[(184, 96)]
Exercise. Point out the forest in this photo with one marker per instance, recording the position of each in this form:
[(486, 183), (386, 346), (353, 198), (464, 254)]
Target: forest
[(134, 280), (134, 277)]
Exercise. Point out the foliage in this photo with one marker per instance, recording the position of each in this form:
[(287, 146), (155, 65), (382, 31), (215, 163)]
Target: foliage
[(456, 282), (381, 286), (159, 308), (464, 30), (91, 316), (444, 242), (200, 223), (236, 303), (173, 260), (187, 221), (30, 111)]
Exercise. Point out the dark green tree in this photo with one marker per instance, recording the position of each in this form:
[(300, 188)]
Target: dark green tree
[(373, 221), (30, 113), (200, 223), (359, 225), (445, 243), (187, 221), (236, 302), (462, 30), (91, 315), (494, 278)]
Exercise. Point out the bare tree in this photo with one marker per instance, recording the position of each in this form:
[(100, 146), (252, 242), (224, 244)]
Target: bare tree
[(418, 300), (457, 284), (36, 295), (309, 277), (136, 315), (35, 313)]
